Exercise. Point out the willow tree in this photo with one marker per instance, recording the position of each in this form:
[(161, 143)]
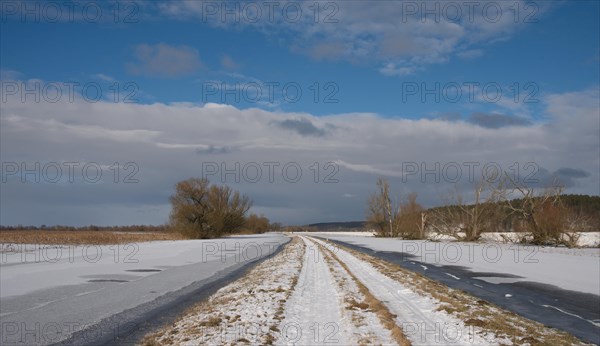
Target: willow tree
[(202, 211)]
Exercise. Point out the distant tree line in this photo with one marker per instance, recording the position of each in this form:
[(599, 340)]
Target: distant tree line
[(292, 229), (132, 228), (547, 217)]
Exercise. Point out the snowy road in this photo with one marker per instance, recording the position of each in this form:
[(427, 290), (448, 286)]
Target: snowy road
[(326, 295), (417, 315), (313, 313), (531, 281), (311, 293), (48, 293)]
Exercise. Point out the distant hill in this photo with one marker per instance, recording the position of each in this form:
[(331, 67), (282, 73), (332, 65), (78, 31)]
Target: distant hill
[(339, 226)]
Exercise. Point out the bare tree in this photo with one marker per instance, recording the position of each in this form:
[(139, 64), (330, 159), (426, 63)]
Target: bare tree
[(392, 219), (543, 215), (423, 225), (467, 221), (381, 213)]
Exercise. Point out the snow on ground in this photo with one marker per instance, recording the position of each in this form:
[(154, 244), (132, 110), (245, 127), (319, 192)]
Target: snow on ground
[(248, 310), (363, 324), (30, 267), (484, 318), (358, 234), (327, 295), (547, 265), (313, 312), (295, 298), (325, 307), (74, 287), (586, 239), (418, 315)]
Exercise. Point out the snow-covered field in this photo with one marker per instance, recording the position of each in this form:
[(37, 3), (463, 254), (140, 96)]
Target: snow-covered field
[(56, 290)]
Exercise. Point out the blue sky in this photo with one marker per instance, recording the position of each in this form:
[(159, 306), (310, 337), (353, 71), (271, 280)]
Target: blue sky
[(364, 65), (559, 52)]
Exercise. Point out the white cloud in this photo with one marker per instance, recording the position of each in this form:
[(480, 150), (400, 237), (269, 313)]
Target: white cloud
[(104, 77), (392, 69), (164, 60), (171, 142), (394, 35)]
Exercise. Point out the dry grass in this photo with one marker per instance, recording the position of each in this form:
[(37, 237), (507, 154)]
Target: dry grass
[(388, 320), (210, 322), (83, 237), (475, 312)]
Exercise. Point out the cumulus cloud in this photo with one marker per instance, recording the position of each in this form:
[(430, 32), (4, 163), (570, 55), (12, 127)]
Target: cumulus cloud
[(301, 126), (163, 60), (496, 121), (400, 37), (336, 154)]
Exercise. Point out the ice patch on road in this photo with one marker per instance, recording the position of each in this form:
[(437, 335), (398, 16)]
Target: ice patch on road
[(452, 276)]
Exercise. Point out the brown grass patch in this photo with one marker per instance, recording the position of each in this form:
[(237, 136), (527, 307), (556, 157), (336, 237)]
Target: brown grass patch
[(83, 237), (211, 322), (353, 304), (475, 322)]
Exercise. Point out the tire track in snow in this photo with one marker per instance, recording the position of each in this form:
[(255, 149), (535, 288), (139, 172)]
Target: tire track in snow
[(313, 311), (416, 314)]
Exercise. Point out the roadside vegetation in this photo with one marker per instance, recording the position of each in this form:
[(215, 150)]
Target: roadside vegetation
[(543, 216), (81, 237), (84, 235)]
